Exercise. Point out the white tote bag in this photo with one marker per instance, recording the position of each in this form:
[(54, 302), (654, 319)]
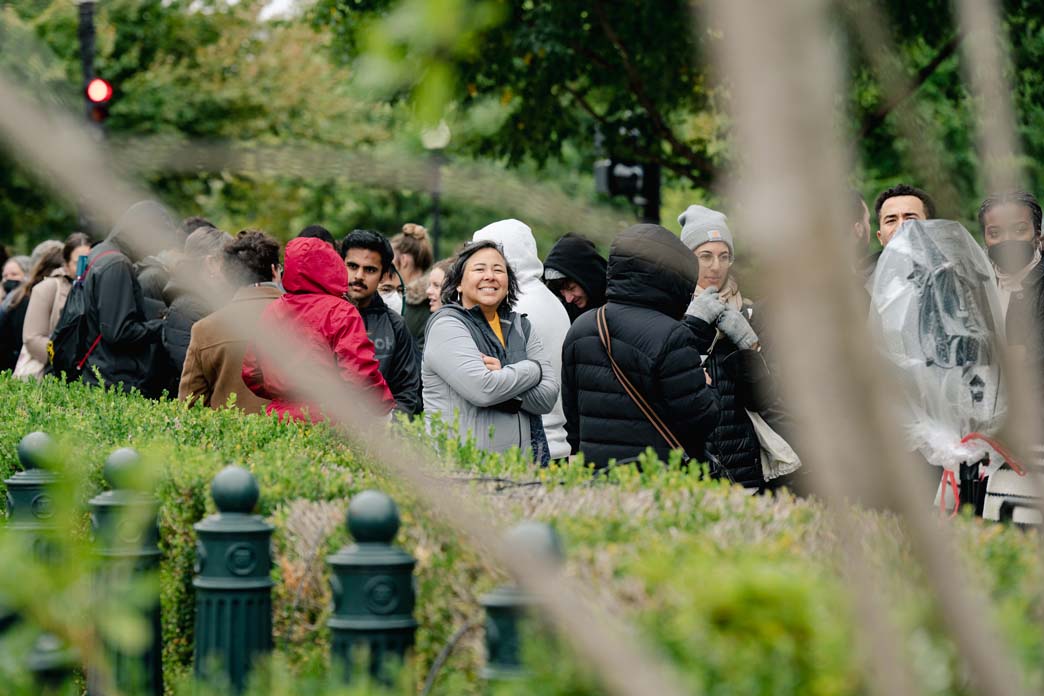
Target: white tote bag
[(778, 458)]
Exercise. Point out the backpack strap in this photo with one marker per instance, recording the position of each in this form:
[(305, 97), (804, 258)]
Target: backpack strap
[(91, 264), (97, 339), (636, 396)]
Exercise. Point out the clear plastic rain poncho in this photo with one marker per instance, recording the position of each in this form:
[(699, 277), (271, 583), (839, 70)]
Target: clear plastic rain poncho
[(935, 313)]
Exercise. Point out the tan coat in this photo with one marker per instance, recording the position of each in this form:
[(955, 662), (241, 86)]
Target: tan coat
[(214, 362), (41, 316)]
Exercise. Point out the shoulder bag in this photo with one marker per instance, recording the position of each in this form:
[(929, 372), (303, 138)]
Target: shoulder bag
[(673, 442)]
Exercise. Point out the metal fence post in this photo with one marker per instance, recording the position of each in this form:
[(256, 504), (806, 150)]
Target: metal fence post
[(123, 521), (373, 590), (30, 511), (507, 606), (233, 580)]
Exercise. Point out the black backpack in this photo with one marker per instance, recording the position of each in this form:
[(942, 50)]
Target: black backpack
[(70, 346)]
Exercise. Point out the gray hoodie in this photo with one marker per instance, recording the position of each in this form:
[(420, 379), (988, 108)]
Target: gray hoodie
[(458, 384)]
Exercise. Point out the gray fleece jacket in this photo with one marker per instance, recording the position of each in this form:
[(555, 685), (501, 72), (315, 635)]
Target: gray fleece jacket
[(458, 384)]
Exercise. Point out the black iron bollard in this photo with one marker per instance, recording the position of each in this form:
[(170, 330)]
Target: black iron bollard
[(30, 506), (372, 584), (507, 606), (233, 580), (124, 524), (30, 511)]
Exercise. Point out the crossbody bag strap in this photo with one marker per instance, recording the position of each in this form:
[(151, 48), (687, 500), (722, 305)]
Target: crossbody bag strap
[(634, 394)]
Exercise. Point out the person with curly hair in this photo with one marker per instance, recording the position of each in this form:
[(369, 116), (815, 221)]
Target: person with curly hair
[(214, 360)]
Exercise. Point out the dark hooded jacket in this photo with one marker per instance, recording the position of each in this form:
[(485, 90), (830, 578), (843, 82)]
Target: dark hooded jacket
[(329, 328), (577, 259), (651, 277), (396, 353), (11, 323), (1024, 320), (127, 349), (185, 308)]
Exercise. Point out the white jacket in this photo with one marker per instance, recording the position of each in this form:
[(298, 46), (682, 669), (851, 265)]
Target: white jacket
[(546, 313)]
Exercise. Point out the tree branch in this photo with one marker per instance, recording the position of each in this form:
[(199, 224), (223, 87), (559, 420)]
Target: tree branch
[(873, 121), (699, 162), (684, 169)]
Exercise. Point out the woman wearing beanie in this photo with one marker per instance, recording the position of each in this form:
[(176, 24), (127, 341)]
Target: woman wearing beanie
[(719, 317)]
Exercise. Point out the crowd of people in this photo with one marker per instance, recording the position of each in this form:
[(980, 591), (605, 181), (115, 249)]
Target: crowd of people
[(654, 346)]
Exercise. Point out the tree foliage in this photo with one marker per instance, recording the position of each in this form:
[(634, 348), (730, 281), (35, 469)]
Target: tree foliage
[(639, 74)]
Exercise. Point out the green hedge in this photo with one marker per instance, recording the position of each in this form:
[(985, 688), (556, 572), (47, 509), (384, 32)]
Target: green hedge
[(742, 594)]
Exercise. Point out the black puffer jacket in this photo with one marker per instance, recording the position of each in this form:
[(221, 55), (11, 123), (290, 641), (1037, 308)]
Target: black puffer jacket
[(734, 376), (651, 276), (396, 354)]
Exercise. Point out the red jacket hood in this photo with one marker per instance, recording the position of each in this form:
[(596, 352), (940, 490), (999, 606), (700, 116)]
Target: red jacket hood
[(311, 266)]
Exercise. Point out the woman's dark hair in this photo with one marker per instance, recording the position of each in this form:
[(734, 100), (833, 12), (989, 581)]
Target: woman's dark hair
[(371, 241), (193, 223), (45, 266), (317, 232), (1021, 198), (456, 273), (249, 257), (73, 242)]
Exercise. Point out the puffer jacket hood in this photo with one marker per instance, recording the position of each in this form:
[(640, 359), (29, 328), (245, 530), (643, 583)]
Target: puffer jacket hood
[(146, 228), (578, 259), (516, 239), (312, 267), (650, 267)]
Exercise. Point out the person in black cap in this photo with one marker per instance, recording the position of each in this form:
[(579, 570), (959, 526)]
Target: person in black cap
[(575, 271)]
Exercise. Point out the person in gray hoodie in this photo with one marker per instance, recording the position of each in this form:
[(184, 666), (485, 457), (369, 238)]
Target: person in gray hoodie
[(540, 306), (484, 367)]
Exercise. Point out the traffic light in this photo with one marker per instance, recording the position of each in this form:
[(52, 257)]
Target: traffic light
[(636, 181), (616, 178), (98, 93)]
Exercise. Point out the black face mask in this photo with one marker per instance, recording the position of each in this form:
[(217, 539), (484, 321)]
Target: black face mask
[(11, 285), (1012, 256)]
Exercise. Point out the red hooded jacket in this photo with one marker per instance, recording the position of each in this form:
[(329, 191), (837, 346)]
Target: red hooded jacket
[(329, 327)]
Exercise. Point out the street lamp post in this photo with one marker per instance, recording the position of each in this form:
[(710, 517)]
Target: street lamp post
[(435, 141)]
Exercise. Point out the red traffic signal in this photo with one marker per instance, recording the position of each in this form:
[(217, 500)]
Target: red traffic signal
[(98, 91)]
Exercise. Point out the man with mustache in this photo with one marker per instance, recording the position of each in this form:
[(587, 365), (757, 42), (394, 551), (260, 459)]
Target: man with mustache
[(368, 257)]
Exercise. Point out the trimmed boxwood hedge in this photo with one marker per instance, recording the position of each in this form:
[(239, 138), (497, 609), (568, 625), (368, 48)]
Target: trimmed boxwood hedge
[(743, 594)]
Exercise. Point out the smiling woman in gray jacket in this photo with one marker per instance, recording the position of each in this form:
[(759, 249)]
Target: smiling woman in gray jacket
[(483, 365)]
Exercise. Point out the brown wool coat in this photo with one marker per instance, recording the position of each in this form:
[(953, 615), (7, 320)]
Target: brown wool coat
[(214, 362)]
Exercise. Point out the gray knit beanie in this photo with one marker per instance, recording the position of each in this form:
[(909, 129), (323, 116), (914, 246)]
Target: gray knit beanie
[(701, 225)]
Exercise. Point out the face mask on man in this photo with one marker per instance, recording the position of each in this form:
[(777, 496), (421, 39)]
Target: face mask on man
[(11, 285), (394, 301), (1012, 255)]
